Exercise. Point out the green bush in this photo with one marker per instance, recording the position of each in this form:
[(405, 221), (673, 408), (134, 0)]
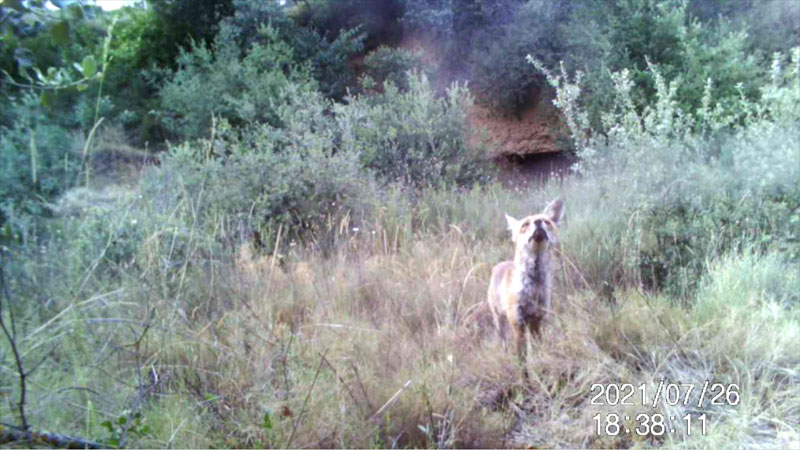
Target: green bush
[(695, 183), (174, 25), (412, 137), (327, 52), (378, 18), (263, 177), (315, 166), (36, 162), (496, 61), (433, 18), (219, 81), (631, 34), (393, 65)]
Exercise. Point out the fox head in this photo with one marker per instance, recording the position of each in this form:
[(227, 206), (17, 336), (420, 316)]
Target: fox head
[(539, 232)]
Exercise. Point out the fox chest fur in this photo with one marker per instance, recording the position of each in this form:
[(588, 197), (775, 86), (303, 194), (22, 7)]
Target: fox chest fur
[(529, 290), (524, 297)]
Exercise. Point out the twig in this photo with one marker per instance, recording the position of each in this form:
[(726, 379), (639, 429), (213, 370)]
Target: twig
[(175, 433), (143, 393), (341, 380), (391, 401), (13, 342), (361, 385), (305, 402)]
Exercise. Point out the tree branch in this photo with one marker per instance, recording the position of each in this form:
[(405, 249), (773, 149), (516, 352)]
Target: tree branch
[(10, 433), (13, 342)]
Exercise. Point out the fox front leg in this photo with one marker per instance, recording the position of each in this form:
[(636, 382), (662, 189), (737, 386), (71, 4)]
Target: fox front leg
[(522, 349)]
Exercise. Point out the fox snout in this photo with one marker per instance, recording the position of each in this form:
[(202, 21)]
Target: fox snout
[(539, 235)]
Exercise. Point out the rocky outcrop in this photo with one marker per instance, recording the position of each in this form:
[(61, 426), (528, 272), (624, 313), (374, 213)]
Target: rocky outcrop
[(536, 130)]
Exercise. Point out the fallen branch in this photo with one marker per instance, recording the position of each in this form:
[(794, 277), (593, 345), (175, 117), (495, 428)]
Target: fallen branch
[(10, 433)]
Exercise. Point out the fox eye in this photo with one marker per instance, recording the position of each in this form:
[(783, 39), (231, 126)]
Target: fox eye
[(524, 227)]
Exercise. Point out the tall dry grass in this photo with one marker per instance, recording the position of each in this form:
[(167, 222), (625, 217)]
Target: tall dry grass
[(382, 341)]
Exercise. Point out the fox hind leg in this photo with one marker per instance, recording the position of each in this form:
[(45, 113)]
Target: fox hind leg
[(501, 325)]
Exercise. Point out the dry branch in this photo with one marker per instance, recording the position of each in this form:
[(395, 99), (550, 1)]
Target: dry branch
[(10, 434)]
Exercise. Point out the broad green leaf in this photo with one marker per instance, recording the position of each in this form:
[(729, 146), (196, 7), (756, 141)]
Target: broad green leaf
[(89, 66), (42, 77), (107, 425), (60, 32)]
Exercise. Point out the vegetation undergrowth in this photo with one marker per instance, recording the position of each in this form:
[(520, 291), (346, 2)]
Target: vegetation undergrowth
[(308, 269)]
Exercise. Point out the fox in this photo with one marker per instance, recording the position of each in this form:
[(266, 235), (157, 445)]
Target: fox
[(519, 290)]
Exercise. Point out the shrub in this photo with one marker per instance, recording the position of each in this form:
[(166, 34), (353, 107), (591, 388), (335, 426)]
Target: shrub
[(176, 24), (496, 61), (412, 137), (218, 81), (36, 162), (695, 188), (327, 53), (393, 65), (433, 18), (314, 166), (265, 177), (378, 18), (631, 34)]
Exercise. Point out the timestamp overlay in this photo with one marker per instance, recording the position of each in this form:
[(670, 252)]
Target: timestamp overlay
[(690, 398)]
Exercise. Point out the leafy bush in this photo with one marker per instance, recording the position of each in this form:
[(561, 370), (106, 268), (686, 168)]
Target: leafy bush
[(412, 137), (329, 60), (433, 18), (327, 57), (393, 65), (130, 76), (36, 162), (313, 165), (378, 18), (218, 81), (697, 188), (177, 24), (631, 34), (497, 59), (263, 177), (772, 26)]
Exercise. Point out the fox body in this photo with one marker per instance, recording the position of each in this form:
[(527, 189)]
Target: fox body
[(519, 290)]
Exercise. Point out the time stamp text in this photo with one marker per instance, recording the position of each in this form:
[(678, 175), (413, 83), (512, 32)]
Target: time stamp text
[(658, 424)]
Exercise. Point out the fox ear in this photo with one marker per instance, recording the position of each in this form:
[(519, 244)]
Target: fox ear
[(512, 226), (555, 210)]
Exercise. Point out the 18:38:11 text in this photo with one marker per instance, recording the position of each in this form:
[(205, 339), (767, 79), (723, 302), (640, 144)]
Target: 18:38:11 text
[(648, 424)]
